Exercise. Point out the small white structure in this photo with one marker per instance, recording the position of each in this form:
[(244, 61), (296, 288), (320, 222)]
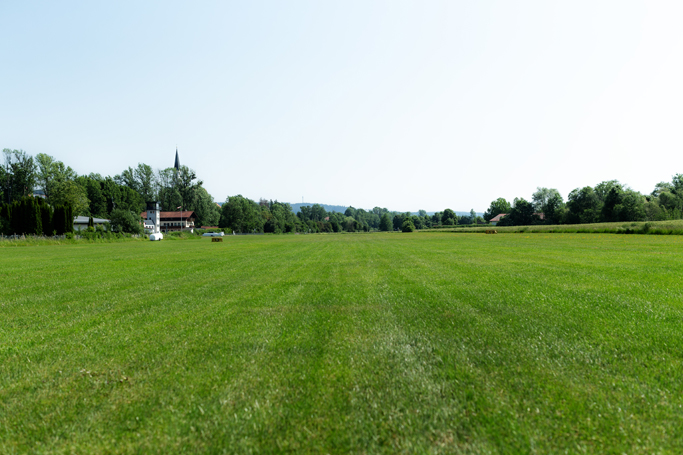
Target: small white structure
[(153, 221)]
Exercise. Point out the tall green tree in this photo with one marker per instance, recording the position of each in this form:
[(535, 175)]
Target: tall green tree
[(69, 193), (242, 215), (497, 207), (208, 213), (126, 221), (611, 206), (318, 212), (545, 197), (386, 222), (94, 193), (407, 225), (52, 173), (602, 189), (19, 175), (522, 214), (632, 206), (584, 206), (448, 218)]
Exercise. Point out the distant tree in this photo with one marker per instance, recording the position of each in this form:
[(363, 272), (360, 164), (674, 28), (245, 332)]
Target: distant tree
[(18, 176), (554, 209), (547, 200), (602, 189), (98, 201), (407, 225), (522, 214), (653, 211), (304, 213), (62, 220), (677, 183), (497, 207), (422, 213), (318, 212), (126, 221), (5, 217), (397, 221), (632, 207), (52, 173), (208, 213), (662, 187), (436, 218), (242, 215), (146, 182), (351, 225), (46, 212), (386, 222), (448, 217), (69, 193), (583, 206), (612, 204)]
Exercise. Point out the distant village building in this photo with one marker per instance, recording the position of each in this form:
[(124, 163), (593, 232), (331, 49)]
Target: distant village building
[(157, 222), (81, 222), (497, 218), (174, 221)]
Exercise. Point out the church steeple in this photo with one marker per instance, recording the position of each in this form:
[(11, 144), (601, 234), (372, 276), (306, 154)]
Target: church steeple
[(177, 160)]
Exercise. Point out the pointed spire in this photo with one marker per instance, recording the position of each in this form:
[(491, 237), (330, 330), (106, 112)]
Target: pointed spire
[(177, 160)]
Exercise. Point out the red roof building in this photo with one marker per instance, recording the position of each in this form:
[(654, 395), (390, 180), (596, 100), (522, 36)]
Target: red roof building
[(497, 218), (175, 221)]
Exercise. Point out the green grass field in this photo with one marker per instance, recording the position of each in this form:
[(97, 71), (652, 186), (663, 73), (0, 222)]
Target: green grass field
[(670, 227), (367, 343)]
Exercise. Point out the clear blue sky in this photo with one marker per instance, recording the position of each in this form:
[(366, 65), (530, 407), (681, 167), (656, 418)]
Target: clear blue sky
[(404, 105)]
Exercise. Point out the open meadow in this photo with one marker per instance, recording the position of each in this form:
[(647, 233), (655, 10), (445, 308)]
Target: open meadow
[(434, 342)]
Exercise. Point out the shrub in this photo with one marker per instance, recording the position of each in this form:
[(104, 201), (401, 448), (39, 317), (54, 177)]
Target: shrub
[(408, 226), (125, 221)]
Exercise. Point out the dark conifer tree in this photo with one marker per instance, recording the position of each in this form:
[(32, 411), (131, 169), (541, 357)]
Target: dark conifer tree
[(68, 219), (58, 220), (46, 218), (36, 218)]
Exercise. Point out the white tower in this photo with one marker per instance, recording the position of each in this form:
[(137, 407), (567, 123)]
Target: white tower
[(154, 219)]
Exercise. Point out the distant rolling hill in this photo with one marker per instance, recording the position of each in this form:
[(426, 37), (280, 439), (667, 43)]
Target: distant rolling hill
[(342, 208), (328, 208)]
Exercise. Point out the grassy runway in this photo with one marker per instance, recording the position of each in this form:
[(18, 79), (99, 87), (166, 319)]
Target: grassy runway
[(413, 343)]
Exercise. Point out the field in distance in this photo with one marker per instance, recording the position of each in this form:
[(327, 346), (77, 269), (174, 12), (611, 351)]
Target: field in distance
[(412, 343), (669, 227)]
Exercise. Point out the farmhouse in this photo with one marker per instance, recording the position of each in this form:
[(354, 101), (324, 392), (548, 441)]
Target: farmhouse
[(497, 218), (174, 221)]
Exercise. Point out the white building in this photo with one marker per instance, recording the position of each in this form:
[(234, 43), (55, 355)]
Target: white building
[(153, 221), (81, 222)]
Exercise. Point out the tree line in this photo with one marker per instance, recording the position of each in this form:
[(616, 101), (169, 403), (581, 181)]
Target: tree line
[(608, 201), (30, 215), (244, 215), (120, 199)]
